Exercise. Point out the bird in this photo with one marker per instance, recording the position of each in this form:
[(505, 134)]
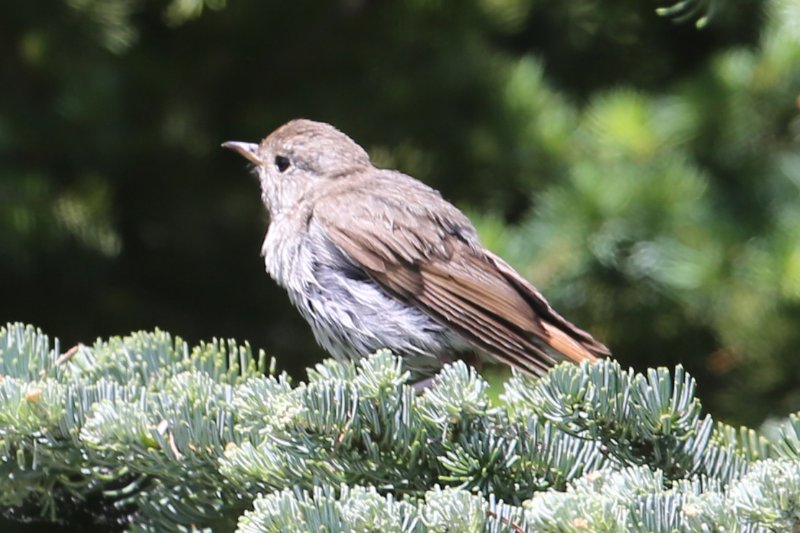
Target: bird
[(375, 259)]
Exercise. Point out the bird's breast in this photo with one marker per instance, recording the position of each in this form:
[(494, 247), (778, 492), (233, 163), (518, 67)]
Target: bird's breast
[(288, 254)]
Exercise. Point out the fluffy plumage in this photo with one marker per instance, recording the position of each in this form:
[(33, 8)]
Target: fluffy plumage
[(373, 258)]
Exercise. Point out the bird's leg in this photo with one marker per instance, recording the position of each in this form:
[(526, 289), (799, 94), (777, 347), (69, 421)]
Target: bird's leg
[(471, 358), (422, 385)]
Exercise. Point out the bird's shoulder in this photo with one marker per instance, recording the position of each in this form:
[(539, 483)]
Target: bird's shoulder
[(385, 215)]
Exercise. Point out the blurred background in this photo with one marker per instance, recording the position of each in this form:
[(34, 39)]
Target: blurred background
[(644, 173)]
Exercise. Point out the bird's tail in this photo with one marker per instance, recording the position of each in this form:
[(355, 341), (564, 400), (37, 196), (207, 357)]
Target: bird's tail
[(577, 345)]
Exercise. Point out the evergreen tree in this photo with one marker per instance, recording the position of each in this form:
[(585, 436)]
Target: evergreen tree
[(146, 434)]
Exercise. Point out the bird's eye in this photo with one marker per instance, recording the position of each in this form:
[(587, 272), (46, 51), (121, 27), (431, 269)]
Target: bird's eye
[(281, 163)]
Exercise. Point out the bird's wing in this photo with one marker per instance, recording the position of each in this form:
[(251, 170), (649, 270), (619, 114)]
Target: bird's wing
[(424, 252)]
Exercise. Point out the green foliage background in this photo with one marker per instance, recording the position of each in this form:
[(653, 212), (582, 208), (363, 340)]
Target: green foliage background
[(644, 174)]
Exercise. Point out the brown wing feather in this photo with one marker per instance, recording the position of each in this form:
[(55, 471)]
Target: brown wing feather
[(434, 261), (571, 340)]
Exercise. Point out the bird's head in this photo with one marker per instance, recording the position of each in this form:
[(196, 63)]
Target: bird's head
[(299, 156)]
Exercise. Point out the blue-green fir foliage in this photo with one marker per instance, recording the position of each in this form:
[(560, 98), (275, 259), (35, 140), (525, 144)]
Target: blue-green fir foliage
[(144, 433)]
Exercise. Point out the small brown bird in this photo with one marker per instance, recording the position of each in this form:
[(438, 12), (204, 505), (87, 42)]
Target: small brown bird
[(375, 259)]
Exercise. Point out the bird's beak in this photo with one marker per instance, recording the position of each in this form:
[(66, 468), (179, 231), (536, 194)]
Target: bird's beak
[(248, 150)]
